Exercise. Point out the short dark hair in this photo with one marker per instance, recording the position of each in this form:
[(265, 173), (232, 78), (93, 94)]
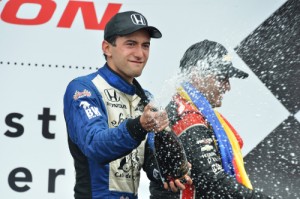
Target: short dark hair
[(112, 41)]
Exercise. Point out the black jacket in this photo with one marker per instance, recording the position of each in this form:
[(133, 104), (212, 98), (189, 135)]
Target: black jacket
[(208, 176)]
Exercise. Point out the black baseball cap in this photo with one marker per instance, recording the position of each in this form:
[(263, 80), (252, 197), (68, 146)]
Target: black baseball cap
[(212, 57), (124, 23)]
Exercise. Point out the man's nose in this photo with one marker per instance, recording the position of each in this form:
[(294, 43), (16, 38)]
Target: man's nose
[(139, 52)]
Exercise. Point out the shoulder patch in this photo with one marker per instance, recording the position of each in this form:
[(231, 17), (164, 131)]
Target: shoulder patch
[(84, 93)]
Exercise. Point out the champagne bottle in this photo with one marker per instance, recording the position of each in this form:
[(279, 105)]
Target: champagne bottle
[(170, 155), (168, 151)]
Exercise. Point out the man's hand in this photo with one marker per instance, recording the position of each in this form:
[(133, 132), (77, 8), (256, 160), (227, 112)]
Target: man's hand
[(153, 119), (176, 184)]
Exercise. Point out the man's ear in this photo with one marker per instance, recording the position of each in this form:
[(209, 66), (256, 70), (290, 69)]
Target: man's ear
[(106, 48)]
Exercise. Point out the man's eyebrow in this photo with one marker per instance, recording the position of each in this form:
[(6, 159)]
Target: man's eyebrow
[(130, 40), (134, 41)]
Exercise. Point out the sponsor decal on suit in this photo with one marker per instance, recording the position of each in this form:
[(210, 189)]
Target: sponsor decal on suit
[(91, 111)]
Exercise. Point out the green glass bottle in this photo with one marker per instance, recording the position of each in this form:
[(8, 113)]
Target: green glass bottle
[(170, 155)]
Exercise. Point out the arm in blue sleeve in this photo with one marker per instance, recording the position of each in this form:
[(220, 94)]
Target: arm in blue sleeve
[(87, 125)]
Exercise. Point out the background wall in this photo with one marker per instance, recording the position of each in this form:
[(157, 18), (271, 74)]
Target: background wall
[(45, 44)]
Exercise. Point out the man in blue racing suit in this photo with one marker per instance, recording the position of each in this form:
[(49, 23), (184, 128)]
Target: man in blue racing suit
[(107, 115)]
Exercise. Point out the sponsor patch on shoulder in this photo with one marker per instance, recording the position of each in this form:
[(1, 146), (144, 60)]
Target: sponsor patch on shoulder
[(84, 93), (91, 111)]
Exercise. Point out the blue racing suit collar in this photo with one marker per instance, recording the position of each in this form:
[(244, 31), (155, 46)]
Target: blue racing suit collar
[(116, 80)]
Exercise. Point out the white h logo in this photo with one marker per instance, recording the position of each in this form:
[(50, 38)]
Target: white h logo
[(138, 19)]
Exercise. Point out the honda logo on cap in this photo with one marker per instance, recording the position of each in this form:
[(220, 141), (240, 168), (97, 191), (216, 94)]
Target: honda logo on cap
[(138, 19)]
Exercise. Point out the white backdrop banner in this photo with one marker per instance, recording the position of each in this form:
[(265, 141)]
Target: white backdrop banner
[(44, 44)]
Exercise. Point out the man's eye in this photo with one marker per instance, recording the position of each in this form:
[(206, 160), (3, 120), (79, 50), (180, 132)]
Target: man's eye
[(130, 44), (146, 46)]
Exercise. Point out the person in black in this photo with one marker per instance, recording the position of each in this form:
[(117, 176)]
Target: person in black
[(206, 69)]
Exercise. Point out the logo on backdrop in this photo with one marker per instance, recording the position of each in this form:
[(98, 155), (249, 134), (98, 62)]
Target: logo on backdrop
[(10, 13)]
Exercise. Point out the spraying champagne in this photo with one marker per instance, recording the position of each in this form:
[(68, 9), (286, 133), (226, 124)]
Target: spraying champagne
[(170, 155), (168, 151)]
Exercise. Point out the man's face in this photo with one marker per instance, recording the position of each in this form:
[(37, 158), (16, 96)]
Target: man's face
[(129, 55), (213, 88)]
